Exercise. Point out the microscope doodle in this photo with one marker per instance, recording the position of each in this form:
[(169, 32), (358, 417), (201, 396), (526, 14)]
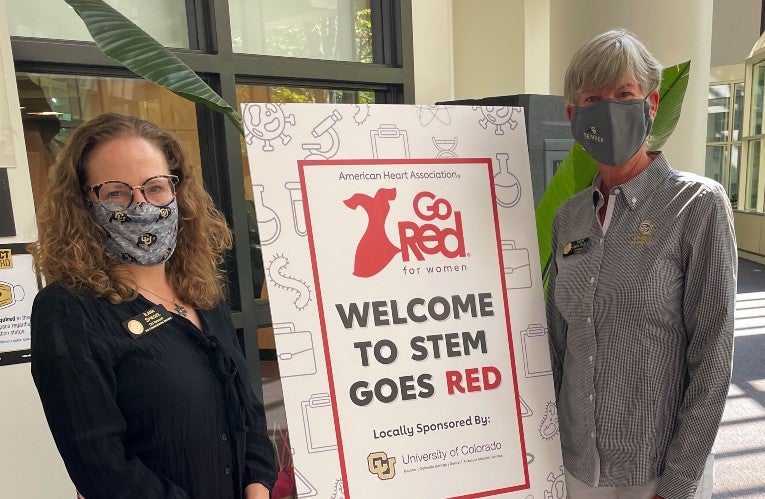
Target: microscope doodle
[(497, 116), (267, 122), (557, 488), (277, 274), (361, 113), (324, 130)]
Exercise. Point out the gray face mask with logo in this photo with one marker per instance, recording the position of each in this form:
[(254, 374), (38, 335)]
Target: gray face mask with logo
[(142, 234), (612, 131)]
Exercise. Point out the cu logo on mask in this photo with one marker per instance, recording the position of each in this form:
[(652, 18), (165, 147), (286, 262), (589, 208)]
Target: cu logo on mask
[(146, 239), (381, 465)]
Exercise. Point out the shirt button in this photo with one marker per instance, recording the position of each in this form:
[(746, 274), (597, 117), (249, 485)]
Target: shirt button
[(592, 435), (589, 320), (227, 470), (592, 280), (617, 191), (590, 397), (590, 359), (223, 437), (634, 200), (601, 240)]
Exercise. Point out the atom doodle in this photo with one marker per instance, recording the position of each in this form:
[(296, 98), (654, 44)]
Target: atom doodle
[(339, 492), (548, 427), (277, 274), (497, 116), (267, 122), (557, 488)]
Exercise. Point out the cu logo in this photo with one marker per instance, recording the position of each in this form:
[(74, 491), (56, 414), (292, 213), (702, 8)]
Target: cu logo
[(382, 465)]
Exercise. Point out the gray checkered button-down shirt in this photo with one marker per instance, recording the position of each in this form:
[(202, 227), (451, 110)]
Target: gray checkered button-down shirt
[(641, 329)]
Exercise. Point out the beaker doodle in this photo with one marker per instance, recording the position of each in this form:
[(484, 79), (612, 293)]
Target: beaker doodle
[(445, 147), (298, 215), (10, 294), (269, 226), (506, 185), (325, 129)]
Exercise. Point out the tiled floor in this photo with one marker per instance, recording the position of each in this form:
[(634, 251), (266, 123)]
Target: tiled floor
[(740, 445)]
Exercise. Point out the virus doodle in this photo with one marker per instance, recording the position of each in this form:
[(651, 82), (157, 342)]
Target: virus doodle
[(497, 116), (557, 488), (361, 113), (277, 274), (267, 122), (548, 427)]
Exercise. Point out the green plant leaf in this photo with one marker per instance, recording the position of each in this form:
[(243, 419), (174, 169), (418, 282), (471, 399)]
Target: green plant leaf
[(674, 82), (578, 168), (119, 38), (575, 172)]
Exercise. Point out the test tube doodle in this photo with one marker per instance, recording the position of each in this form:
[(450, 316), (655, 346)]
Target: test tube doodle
[(296, 199)]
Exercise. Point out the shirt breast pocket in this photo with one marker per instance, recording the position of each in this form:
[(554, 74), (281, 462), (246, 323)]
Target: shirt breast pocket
[(570, 284)]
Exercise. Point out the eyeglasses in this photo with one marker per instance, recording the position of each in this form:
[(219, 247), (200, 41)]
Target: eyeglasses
[(117, 196)]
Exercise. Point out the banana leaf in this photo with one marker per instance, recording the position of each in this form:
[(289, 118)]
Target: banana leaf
[(119, 38), (578, 169)]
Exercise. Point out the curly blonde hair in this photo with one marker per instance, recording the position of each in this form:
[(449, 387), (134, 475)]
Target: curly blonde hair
[(70, 248)]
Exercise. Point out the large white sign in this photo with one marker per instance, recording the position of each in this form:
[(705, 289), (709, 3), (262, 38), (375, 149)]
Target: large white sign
[(400, 250)]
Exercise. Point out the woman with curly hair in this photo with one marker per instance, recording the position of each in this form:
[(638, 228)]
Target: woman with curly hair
[(134, 354)]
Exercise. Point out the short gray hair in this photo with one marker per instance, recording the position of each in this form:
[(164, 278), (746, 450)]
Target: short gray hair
[(611, 58)]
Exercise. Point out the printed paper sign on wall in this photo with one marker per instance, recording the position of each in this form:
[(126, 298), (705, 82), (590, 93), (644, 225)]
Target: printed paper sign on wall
[(406, 299)]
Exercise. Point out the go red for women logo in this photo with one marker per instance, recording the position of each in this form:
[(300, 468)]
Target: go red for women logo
[(437, 230)]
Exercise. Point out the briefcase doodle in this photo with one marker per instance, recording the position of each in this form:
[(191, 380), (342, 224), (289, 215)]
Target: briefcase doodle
[(517, 268), (536, 351), (294, 350), (319, 423)]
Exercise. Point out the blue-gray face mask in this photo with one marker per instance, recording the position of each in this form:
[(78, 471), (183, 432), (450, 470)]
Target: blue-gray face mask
[(142, 234), (612, 131)]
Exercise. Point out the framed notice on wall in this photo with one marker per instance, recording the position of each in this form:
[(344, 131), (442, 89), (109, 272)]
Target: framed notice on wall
[(18, 287), (7, 224)]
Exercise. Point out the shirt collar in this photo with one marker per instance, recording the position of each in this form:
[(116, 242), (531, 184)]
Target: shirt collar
[(640, 187)]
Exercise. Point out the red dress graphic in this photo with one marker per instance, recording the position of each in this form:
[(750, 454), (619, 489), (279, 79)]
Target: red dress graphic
[(374, 250)]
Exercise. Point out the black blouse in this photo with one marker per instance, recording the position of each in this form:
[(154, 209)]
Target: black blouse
[(165, 414)]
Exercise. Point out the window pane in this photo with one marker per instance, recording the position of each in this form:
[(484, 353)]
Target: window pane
[(738, 109), (315, 29), (715, 162), (717, 113), (753, 175), (758, 81), (735, 159), (258, 201), (54, 105), (164, 20)]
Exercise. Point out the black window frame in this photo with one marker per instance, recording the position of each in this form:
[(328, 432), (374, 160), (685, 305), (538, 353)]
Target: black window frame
[(390, 76)]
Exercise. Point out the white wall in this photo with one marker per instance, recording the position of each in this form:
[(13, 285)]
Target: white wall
[(432, 42), (674, 31), (735, 28), (488, 48), (30, 466)]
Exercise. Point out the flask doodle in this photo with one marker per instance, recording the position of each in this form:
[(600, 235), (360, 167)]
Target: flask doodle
[(278, 276)]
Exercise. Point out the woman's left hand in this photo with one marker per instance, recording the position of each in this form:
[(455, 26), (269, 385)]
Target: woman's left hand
[(256, 491)]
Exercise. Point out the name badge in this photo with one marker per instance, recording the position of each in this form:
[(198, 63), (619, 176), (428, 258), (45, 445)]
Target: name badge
[(575, 247), (147, 321)]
